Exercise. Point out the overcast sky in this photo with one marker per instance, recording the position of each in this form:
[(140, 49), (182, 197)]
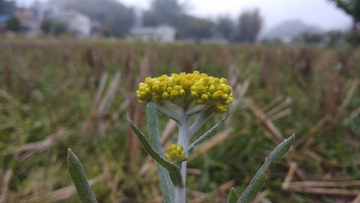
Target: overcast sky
[(313, 12)]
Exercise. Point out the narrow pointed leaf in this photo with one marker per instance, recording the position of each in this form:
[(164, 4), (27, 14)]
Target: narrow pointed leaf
[(260, 177), (204, 136), (79, 178), (174, 171), (165, 181), (233, 196)]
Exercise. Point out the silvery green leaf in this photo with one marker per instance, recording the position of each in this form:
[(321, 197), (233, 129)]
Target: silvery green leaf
[(260, 177), (202, 118), (233, 196), (198, 109), (165, 181), (194, 144), (174, 171), (79, 178), (165, 111)]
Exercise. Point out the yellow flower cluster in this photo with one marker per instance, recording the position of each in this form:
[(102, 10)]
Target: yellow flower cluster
[(175, 153), (201, 87)]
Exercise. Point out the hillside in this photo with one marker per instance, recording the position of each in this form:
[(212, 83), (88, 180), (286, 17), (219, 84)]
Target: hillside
[(290, 29)]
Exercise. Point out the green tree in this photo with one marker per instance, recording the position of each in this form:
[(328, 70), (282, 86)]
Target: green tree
[(47, 26), (196, 27), (168, 8), (60, 28), (165, 12), (249, 26), (310, 38), (173, 13), (13, 24), (334, 37), (352, 8), (225, 27), (57, 28), (7, 7)]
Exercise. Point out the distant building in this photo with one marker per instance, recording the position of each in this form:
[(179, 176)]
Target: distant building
[(79, 24), (76, 22), (161, 33), (31, 20), (30, 26), (3, 20)]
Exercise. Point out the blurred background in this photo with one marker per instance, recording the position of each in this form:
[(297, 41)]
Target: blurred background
[(69, 70), (317, 22)]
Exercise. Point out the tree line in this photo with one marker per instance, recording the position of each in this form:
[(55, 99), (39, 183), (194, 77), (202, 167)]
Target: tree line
[(117, 19)]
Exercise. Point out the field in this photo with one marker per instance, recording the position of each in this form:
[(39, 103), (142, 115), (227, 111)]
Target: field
[(59, 94)]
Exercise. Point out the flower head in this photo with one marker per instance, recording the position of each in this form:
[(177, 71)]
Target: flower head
[(175, 153), (201, 88)]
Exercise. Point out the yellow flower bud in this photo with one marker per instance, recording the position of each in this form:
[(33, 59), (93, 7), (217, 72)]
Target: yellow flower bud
[(225, 97), (229, 101), (216, 96), (174, 94), (156, 88), (162, 84), (194, 95), (162, 78), (175, 153), (182, 93), (221, 87), (205, 98), (187, 84), (219, 108), (227, 90), (148, 81), (165, 96), (200, 102), (200, 89), (212, 89), (177, 87), (189, 76)]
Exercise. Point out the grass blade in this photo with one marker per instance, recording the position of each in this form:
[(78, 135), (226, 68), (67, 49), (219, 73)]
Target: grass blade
[(79, 178), (174, 171), (165, 181), (260, 177)]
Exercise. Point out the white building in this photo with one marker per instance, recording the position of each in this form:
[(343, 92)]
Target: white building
[(76, 22), (79, 24), (161, 33)]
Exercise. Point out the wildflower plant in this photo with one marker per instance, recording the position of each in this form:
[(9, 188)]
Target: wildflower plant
[(179, 97)]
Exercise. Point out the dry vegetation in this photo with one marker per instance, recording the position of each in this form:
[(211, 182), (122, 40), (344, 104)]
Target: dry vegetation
[(60, 94)]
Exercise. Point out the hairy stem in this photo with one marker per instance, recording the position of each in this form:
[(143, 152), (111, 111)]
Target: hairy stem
[(183, 140), (179, 194)]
